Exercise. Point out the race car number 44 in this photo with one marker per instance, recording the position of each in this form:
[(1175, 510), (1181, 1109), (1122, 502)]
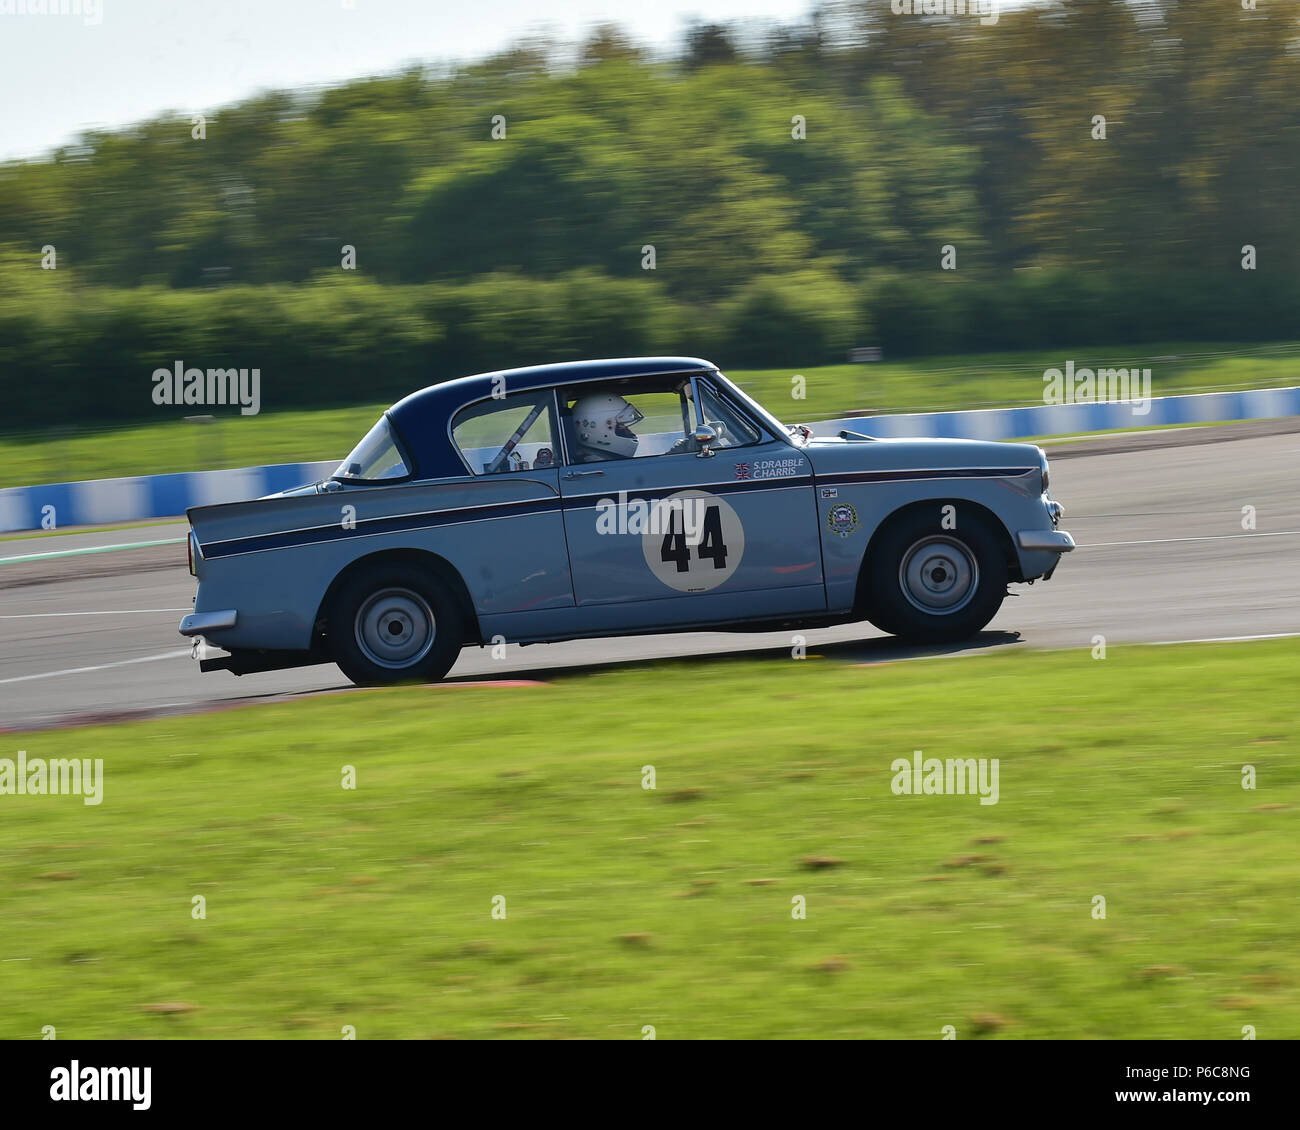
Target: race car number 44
[(698, 543)]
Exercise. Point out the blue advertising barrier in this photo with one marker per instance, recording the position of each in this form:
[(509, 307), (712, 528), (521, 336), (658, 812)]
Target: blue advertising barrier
[(100, 501)]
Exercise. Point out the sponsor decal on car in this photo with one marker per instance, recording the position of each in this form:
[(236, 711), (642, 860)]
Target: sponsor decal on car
[(830, 492), (842, 519), (770, 469)]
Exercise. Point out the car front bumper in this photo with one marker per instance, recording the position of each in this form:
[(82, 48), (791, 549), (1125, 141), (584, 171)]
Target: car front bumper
[(1051, 541), (197, 623)]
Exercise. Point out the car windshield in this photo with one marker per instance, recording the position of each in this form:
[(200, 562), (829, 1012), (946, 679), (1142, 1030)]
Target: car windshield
[(375, 457)]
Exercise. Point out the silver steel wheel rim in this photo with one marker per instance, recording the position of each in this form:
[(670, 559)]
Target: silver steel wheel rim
[(939, 575), (395, 628)]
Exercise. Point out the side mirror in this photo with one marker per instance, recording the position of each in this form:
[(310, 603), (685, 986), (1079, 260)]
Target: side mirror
[(704, 435)]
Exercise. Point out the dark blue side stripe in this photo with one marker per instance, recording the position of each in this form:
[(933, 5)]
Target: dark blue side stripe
[(845, 478), (581, 501), (409, 523), (849, 478), (393, 525)]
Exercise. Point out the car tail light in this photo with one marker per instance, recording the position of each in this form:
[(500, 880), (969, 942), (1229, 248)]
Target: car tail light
[(189, 553)]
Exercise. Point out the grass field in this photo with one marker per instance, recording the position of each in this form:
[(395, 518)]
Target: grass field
[(931, 384), (671, 908)]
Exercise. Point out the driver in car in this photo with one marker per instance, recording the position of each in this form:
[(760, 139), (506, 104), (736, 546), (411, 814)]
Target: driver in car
[(602, 423)]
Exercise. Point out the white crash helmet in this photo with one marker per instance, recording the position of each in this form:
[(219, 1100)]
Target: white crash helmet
[(602, 422)]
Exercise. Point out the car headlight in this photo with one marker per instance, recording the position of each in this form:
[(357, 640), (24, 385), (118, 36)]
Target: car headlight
[(1042, 466)]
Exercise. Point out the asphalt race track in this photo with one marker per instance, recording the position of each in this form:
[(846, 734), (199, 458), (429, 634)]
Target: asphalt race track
[(1163, 557)]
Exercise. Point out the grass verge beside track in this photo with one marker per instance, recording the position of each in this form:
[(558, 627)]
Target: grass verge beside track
[(672, 908), (928, 384)]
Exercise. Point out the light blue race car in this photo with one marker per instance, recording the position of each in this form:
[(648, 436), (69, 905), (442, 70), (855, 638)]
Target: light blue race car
[(604, 498)]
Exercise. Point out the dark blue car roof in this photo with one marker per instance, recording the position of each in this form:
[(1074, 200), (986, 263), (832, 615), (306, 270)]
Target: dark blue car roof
[(421, 419)]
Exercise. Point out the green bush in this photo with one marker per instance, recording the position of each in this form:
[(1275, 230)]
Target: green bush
[(806, 318), (85, 355)]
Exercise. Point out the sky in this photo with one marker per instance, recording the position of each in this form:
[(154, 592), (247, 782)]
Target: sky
[(108, 63)]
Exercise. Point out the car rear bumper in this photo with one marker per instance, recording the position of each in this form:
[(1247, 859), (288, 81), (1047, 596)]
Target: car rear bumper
[(199, 623)]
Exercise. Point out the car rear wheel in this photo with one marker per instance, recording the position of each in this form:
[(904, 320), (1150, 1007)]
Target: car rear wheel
[(931, 584), (395, 624)]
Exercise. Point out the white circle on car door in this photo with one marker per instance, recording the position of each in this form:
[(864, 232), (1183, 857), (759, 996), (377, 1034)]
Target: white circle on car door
[(695, 541)]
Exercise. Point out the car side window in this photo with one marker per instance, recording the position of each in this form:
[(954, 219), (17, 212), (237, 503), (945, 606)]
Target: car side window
[(638, 419), (514, 433)]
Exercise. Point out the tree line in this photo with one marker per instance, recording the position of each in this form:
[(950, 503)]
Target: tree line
[(1082, 171)]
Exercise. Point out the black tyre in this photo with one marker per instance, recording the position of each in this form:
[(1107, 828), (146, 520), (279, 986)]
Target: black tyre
[(933, 585), (395, 624)]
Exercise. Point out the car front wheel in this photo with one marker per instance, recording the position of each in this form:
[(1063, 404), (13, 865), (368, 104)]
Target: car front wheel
[(931, 584), (394, 624)]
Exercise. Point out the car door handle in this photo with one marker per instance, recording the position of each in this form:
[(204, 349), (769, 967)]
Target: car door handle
[(582, 474)]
